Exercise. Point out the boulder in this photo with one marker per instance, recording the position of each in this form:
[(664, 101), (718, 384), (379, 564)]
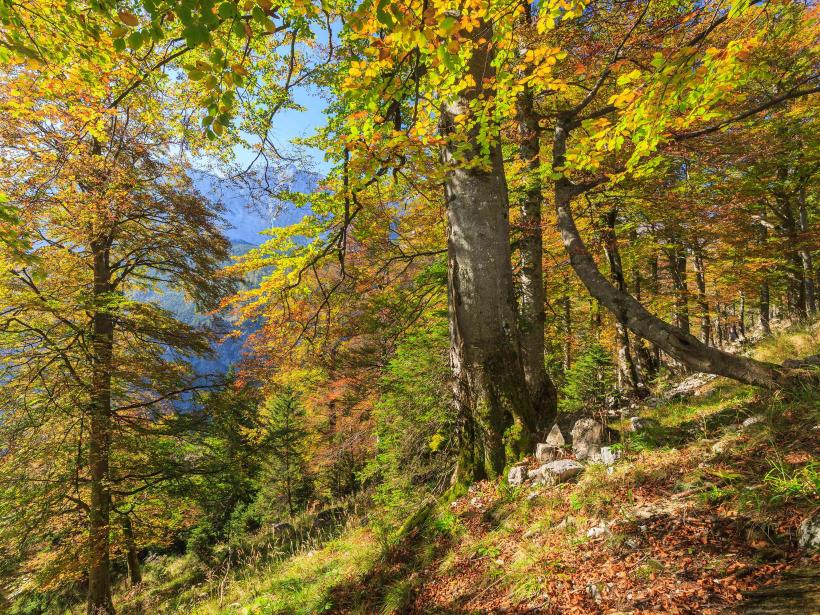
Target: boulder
[(545, 453), (517, 475), (555, 437), (560, 471), (587, 435), (808, 534), (536, 474)]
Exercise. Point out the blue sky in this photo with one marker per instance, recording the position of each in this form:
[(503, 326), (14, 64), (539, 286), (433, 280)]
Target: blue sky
[(292, 124)]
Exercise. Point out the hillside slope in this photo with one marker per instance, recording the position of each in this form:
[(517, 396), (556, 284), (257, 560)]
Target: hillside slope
[(702, 509)]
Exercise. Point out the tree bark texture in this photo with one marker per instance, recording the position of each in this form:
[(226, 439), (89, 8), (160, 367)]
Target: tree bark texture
[(491, 390)]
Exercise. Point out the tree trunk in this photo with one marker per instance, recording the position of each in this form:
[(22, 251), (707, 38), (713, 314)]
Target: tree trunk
[(132, 555), (531, 277), (99, 580), (628, 378), (490, 387), (703, 302), (806, 257), (674, 341), (677, 270), (567, 359), (765, 325)]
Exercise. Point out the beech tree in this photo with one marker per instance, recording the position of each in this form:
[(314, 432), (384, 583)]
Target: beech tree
[(86, 365)]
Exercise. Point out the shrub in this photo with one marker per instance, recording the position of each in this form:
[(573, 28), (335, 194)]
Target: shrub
[(589, 382)]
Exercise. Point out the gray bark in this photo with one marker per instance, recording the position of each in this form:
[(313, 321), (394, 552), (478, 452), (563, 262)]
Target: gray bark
[(531, 277), (491, 392), (703, 302), (806, 256)]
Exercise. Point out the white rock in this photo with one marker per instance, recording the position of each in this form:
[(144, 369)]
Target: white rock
[(517, 475), (561, 470), (752, 420), (635, 423), (609, 456), (555, 437), (808, 534), (586, 438), (546, 452), (536, 473), (598, 531), (593, 592)]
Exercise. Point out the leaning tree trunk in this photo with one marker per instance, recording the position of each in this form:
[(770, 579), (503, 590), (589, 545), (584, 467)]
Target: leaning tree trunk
[(99, 580), (490, 386), (675, 342), (531, 278)]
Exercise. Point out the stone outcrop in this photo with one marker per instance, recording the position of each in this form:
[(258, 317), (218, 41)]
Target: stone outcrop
[(587, 435)]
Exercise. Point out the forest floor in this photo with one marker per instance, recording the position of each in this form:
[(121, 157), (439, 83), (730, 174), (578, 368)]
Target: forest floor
[(699, 513)]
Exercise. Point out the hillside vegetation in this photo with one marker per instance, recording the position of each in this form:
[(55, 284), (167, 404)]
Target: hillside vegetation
[(697, 514)]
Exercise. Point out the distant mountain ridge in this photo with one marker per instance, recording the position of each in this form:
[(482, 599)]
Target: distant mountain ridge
[(247, 217)]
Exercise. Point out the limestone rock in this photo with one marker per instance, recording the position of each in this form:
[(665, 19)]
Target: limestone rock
[(517, 475), (808, 534), (555, 437), (545, 453), (609, 456), (536, 474), (587, 435), (561, 471)]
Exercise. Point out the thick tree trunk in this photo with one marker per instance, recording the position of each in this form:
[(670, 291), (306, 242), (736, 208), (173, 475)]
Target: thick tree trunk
[(99, 580), (674, 341), (531, 277), (491, 389)]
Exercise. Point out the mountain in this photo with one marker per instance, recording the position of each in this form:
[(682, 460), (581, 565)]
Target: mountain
[(247, 216), (249, 211)]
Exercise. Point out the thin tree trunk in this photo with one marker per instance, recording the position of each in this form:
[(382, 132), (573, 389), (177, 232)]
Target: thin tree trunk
[(531, 277), (765, 325), (99, 579), (674, 341), (703, 302), (628, 378), (742, 316), (490, 387), (805, 256), (567, 333), (131, 553)]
